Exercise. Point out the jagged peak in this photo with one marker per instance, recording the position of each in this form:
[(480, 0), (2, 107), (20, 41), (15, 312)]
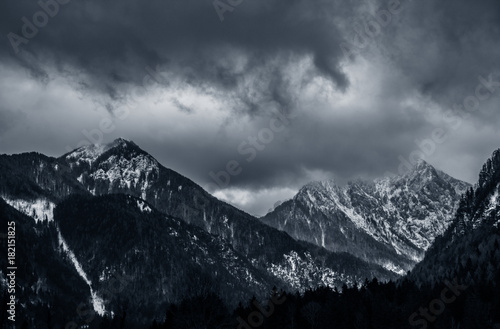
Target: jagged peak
[(418, 168), (89, 153), (421, 171), (307, 187), (421, 164), (121, 142), (420, 175), (321, 185), (328, 188)]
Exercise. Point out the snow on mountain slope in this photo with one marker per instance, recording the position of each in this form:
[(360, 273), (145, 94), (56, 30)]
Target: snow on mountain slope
[(88, 154), (97, 302), (118, 166), (39, 209), (299, 273), (493, 202), (124, 173), (389, 221)]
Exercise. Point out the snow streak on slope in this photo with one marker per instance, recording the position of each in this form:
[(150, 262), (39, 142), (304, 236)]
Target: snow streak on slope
[(97, 302), (494, 201)]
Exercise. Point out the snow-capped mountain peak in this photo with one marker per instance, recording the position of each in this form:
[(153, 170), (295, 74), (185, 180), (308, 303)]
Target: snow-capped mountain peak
[(90, 153), (388, 221), (421, 174), (120, 166)]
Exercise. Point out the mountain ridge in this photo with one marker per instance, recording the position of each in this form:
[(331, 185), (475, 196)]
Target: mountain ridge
[(393, 216), (121, 167)]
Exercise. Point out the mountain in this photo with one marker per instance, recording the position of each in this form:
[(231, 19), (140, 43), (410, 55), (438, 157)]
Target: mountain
[(162, 258), (113, 210), (100, 251), (123, 167), (455, 286), (389, 221), (469, 248), (107, 230)]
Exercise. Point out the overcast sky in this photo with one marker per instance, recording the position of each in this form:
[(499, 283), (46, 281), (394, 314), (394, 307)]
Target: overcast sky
[(270, 93)]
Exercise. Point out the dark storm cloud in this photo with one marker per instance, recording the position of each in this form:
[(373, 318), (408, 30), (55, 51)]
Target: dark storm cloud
[(430, 54), (112, 42), (362, 144), (444, 46)]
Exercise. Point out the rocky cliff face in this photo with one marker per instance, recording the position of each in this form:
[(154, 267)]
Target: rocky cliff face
[(390, 221)]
